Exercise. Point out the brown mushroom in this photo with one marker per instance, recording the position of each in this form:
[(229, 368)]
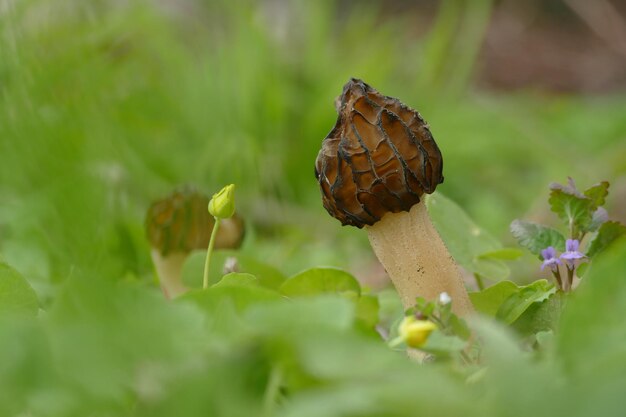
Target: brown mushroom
[(179, 224), (373, 169)]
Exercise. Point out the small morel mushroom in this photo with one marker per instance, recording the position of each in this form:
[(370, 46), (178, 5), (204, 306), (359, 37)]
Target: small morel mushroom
[(373, 169), (180, 224)]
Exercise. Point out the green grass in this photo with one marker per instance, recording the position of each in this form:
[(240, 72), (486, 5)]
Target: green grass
[(105, 108)]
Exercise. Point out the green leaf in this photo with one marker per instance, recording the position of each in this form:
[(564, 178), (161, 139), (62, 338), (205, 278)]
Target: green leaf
[(599, 217), (440, 343), (541, 316), (504, 254), (319, 281), (102, 332), (16, 294), (579, 210), (574, 209), (592, 331), (459, 327), (367, 310), (240, 295), (489, 300), (536, 237), (607, 234), (582, 269), (240, 289), (521, 300), (193, 268), (597, 194), (237, 278), (302, 315), (465, 240)]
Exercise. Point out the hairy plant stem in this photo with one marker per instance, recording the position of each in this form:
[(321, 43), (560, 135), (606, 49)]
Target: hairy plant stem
[(205, 280), (557, 276), (570, 278), (416, 259)]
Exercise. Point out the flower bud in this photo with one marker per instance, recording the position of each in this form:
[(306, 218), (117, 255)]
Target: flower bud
[(415, 332), (444, 298), (222, 205)]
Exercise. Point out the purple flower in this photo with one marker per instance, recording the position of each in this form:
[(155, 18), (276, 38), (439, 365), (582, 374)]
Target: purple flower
[(549, 259), (571, 256)]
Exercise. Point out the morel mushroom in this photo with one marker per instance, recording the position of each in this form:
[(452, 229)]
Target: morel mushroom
[(373, 169), (180, 224)]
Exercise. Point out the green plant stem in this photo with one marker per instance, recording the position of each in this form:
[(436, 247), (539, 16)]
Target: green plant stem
[(479, 282), (271, 391), (557, 276), (570, 278), (205, 281)]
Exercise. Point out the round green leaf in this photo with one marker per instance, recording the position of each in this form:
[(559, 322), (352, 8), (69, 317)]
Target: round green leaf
[(489, 300), (521, 300), (320, 280), (237, 278), (193, 268)]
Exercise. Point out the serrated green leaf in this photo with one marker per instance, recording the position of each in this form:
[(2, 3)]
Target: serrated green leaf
[(607, 234), (489, 300), (598, 218), (536, 237), (16, 294), (597, 194), (319, 281), (574, 210), (465, 240), (518, 302), (504, 254)]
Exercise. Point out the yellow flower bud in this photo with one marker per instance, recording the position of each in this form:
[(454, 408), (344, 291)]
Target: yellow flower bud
[(415, 332), (222, 205)]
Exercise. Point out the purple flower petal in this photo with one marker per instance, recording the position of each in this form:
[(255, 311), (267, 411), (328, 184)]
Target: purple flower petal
[(571, 245), (552, 263), (548, 253), (572, 256)]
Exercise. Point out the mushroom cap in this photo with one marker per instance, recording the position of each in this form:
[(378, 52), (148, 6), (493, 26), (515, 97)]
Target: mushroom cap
[(181, 223), (380, 157)]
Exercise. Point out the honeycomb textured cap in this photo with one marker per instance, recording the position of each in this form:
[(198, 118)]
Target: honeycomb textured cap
[(380, 157)]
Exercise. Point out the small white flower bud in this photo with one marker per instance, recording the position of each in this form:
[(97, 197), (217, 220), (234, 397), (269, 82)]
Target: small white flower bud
[(444, 298)]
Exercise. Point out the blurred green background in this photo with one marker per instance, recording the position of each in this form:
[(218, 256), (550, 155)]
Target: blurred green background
[(106, 106)]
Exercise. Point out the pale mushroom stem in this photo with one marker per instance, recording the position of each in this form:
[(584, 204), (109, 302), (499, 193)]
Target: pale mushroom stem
[(416, 259), (169, 270)]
